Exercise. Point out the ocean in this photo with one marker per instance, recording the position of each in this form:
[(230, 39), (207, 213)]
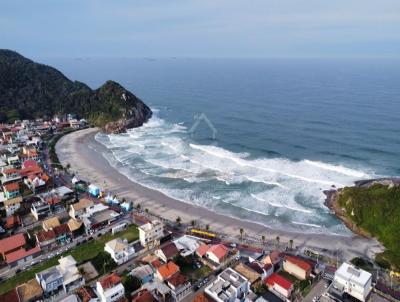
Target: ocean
[(286, 130)]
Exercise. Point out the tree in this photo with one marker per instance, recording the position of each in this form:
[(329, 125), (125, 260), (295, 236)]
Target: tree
[(241, 233), (291, 244), (263, 239), (131, 284), (193, 223), (138, 206), (67, 167), (147, 211), (207, 227), (178, 220), (277, 241)]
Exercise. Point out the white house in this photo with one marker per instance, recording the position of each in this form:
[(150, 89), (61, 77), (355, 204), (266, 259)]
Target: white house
[(120, 250), (110, 288), (229, 286), (72, 279), (150, 233), (353, 281)]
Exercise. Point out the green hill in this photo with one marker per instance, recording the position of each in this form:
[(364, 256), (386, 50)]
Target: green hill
[(376, 210), (30, 90)]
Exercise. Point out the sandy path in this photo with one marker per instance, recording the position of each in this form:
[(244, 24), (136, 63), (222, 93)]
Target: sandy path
[(85, 156)]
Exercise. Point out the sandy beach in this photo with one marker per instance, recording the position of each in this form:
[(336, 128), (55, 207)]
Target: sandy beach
[(85, 155)]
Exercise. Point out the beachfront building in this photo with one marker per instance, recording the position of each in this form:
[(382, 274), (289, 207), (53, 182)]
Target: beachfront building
[(120, 250), (274, 258), (297, 267), (217, 253), (72, 279), (279, 286), (40, 209), (150, 233), (353, 281), (79, 208), (229, 286), (110, 288)]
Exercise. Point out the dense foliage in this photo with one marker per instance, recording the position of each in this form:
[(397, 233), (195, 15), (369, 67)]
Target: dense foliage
[(30, 90), (376, 210)]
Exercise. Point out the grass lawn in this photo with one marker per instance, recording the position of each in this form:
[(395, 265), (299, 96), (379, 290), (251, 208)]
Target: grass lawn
[(288, 276), (81, 253), (302, 285)]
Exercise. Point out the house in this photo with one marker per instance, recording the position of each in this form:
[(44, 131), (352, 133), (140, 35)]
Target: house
[(150, 233), (110, 288), (72, 279), (186, 245), (75, 227), (353, 281), (167, 252), (229, 286), (297, 267), (99, 220), (265, 270), (63, 192), (40, 209), (202, 250), (120, 250), (79, 208), (45, 239), (279, 286), (217, 253), (273, 258), (22, 255), (144, 273), (180, 286), (63, 234), (30, 291), (51, 223), (12, 221), (166, 271), (143, 295), (11, 190), (12, 205), (10, 296), (51, 280), (247, 272), (12, 244), (10, 175), (159, 290)]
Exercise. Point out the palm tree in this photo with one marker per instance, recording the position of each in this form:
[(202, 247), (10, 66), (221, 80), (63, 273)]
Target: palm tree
[(277, 241), (263, 239), (241, 233), (138, 206), (67, 167), (178, 220), (207, 227), (193, 223), (147, 211), (291, 244)]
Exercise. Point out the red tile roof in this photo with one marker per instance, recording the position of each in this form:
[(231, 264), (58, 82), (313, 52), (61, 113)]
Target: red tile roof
[(278, 279), (143, 296), (12, 221), (10, 296), (167, 270), (21, 253), (61, 229), (202, 250), (110, 281), (44, 236), (219, 250), (10, 171), (177, 280), (298, 262), (12, 243), (170, 250), (30, 163), (14, 186)]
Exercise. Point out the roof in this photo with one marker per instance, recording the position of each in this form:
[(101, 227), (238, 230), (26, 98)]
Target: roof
[(82, 204), (247, 272), (12, 221), (29, 291), (142, 271), (12, 243), (170, 250), (51, 223), (219, 250), (143, 296), (61, 229), (13, 201), (279, 280), (14, 186), (258, 266), (30, 163), (44, 236), (74, 224), (202, 250), (117, 244), (177, 280), (110, 281), (201, 297), (21, 253), (298, 262), (356, 275), (10, 296), (86, 293), (273, 257), (168, 269), (10, 171)]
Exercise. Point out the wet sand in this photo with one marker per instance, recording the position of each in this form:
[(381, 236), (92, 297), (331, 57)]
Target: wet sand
[(85, 155)]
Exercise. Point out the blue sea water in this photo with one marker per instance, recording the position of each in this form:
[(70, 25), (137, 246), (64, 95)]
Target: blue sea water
[(287, 129)]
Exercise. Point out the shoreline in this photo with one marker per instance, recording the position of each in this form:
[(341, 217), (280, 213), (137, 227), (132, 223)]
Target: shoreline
[(85, 155)]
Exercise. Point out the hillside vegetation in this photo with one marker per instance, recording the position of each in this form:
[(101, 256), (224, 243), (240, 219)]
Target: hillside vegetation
[(376, 210), (30, 90)]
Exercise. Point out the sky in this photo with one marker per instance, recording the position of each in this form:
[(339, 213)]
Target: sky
[(201, 28)]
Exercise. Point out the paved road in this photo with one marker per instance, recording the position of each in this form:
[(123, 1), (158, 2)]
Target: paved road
[(316, 291)]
